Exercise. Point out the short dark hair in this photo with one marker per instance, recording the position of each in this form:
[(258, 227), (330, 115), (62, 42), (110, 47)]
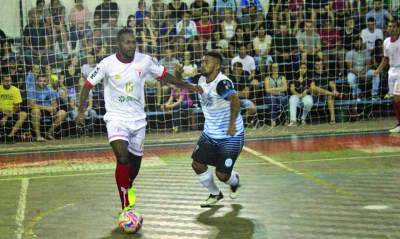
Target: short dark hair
[(371, 19), (238, 64), (123, 31), (5, 71), (215, 55)]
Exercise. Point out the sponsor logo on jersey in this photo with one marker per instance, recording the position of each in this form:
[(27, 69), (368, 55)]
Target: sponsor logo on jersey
[(228, 162), (93, 75), (117, 77)]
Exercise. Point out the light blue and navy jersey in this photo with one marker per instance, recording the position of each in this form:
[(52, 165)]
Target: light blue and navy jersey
[(216, 106)]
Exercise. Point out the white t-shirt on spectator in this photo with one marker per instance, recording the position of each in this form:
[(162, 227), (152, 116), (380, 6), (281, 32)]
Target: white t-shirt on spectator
[(369, 38), (248, 62), (124, 85)]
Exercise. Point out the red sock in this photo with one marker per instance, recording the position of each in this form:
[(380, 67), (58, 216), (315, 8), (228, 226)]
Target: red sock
[(123, 183), (396, 107)]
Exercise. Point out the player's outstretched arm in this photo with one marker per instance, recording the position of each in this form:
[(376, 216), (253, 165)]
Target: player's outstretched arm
[(168, 78), (83, 96), (235, 109)]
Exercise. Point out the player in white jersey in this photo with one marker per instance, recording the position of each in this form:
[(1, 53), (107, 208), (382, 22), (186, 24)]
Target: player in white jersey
[(222, 139), (391, 52), (123, 75)]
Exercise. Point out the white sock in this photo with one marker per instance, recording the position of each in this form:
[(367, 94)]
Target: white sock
[(207, 180), (233, 180)]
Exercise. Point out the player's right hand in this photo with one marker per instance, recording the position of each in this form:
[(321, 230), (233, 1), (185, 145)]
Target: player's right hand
[(80, 118)]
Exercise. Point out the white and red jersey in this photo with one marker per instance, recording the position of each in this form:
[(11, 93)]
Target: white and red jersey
[(124, 85), (391, 50)]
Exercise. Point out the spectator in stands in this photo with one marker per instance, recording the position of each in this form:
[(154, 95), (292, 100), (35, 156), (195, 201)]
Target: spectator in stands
[(309, 43), (178, 101), (79, 19), (198, 7), (189, 67), (197, 49), (10, 100), (240, 79), (105, 10), (370, 34), (57, 85), (169, 61), (330, 40), (148, 36), (158, 13), (39, 10), (141, 12), (276, 87), (186, 27), (31, 76), (58, 37), (359, 70), (7, 50), (376, 59), (225, 63), (381, 15), (109, 34), (238, 40), (220, 6), (325, 85), (35, 39), (42, 102), (286, 50), (349, 32), (262, 49), (247, 61), (300, 90), (177, 9), (205, 26), (73, 79), (248, 11), (228, 25)]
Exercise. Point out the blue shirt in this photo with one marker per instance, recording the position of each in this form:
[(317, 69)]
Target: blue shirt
[(43, 97)]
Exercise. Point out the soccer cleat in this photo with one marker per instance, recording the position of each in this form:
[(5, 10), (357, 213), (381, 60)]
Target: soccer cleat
[(131, 199), (395, 129), (212, 200), (234, 189)]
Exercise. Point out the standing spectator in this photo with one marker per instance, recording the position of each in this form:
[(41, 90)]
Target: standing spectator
[(141, 12), (58, 34), (105, 10), (228, 25), (39, 10), (358, 63), (35, 39), (186, 27), (79, 19), (198, 7), (10, 100), (42, 102), (309, 43), (380, 14), (300, 90), (247, 61), (205, 27), (177, 9), (370, 34), (286, 50)]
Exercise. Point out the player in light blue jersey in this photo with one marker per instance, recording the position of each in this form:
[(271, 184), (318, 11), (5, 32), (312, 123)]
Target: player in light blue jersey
[(222, 139)]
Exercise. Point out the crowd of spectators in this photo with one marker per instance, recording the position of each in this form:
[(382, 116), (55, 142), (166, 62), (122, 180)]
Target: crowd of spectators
[(281, 59)]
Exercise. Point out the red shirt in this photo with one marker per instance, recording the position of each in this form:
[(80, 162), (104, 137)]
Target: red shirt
[(205, 31), (329, 39)]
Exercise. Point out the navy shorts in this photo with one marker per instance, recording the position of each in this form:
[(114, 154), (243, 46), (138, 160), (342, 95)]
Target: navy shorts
[(221, 153)]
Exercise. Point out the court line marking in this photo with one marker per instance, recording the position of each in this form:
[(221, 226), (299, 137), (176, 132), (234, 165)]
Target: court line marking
[(308, 176), (20, 217)]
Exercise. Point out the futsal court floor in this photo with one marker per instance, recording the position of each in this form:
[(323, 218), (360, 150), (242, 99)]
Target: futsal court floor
[(313, 187)]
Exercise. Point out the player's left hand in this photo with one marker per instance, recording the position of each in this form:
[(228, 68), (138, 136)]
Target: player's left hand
[(232, 130)]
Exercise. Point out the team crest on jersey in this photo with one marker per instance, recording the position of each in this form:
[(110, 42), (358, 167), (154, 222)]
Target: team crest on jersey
[(117, 77), (228, 162)]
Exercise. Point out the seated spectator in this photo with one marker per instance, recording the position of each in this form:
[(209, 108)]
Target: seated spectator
[(39, 10), (381, 15), (349, 32), (300, 90), (228, 25), (109, 32), (58, 29), (330, 40), (10, 100), (359, 70), (141, 12), (7, 50), (169, 61), (158, 13), (148, 37), (34, 39), (238, 40), (324, 85), (309, 43), (186, 27), (105, 10), (198, 7), (248, 11), (276, 92), (241, 81), (247, 61), (42, 102), (370, 34), (189, 67), (176, 9), (262, 49), (178, 101), (79, 19), (220, 6), (286, 50)]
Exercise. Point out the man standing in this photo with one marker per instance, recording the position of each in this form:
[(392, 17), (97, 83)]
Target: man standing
[(222, 139), (391, 52), (123, 76)]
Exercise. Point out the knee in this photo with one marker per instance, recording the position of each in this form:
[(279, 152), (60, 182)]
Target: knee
[(199, 167), (223, 177), (122, 160)]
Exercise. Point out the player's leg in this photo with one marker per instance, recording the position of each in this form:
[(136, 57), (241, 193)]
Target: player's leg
[(396, 100), (229, 151), (203, 155)]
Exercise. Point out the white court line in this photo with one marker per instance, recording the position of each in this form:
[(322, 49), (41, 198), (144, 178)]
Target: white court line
[(306, 175), (19, 219)]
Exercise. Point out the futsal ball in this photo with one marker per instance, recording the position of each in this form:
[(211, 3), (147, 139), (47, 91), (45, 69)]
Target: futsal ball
[(130, 221)]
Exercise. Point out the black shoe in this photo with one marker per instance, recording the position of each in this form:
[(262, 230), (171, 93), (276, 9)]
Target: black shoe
[(234, 189), (212, 200)]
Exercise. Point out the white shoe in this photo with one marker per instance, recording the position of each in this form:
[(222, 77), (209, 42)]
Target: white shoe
[(395, 129)]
